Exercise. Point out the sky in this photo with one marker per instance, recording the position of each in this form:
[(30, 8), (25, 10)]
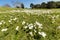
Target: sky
[(25, 2)]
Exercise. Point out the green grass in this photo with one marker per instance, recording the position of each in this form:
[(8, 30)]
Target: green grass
[(51, 29)]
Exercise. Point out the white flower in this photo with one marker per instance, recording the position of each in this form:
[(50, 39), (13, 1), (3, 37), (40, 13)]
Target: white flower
[(17, 28), (3, 21), (35, 31), (23, 22), (53, 21), (4, 29), (57, 16), (9, 20), (39, 25), (31, 33), (0, 23), (26, 27), (58, 27), (30, 26), (42, 33), (15, 19), (53, 17)]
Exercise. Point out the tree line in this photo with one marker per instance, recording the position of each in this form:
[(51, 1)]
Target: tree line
[(50, 4)]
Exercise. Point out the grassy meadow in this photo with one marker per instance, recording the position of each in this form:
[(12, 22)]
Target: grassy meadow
[(30, 26)]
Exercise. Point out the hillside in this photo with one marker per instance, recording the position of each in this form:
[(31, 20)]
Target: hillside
[(29, 24)]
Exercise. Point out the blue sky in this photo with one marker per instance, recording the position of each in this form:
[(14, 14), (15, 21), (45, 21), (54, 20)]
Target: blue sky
[(26, 2)]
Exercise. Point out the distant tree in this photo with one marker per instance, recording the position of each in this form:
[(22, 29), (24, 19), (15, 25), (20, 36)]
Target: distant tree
[(37, 6), (43, 5), (32, 5), (51, 4), (22, 5), (58, 4)]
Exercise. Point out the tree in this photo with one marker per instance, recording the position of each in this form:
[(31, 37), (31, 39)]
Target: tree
[(51, 4), (22, 5), (31, 5), (37, 6), (58, 4), (43, 5)]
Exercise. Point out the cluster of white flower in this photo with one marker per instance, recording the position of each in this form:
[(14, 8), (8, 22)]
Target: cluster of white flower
[(43, 34), (30, 26), (25, 27), (4, 29), (2, 22), (34, 25), (54, 17), (15, 19), (23, 22), (10, 20)]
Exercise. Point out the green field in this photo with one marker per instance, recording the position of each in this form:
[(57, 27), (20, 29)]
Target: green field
[(27, 26)]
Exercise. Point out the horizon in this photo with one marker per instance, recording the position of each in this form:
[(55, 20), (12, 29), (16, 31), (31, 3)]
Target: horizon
[(25, 2)]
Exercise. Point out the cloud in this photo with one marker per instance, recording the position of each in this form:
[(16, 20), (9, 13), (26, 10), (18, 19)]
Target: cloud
[(55, 0)]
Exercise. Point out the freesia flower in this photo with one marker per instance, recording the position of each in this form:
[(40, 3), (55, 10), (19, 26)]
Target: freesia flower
[(42, 33), (23, 22), (31, 33), (4, 29), (0, 23), (17, 28)]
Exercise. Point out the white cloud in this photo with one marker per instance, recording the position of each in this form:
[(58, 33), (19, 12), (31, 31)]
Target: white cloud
[(55, 0)]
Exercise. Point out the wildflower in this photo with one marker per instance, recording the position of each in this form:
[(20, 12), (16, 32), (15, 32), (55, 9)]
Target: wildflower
[(53, 17), (39, 25), (0, 23), (15, 19), (17, 28), (3, 21), (31, 33), (4, 29), (23, 22), (35, 31), (9, 20), (42, 33), (30, 26), (58, 27), (57, 16), (26, 27)]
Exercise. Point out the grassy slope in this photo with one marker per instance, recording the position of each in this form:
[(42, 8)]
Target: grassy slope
[(46, 19)]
